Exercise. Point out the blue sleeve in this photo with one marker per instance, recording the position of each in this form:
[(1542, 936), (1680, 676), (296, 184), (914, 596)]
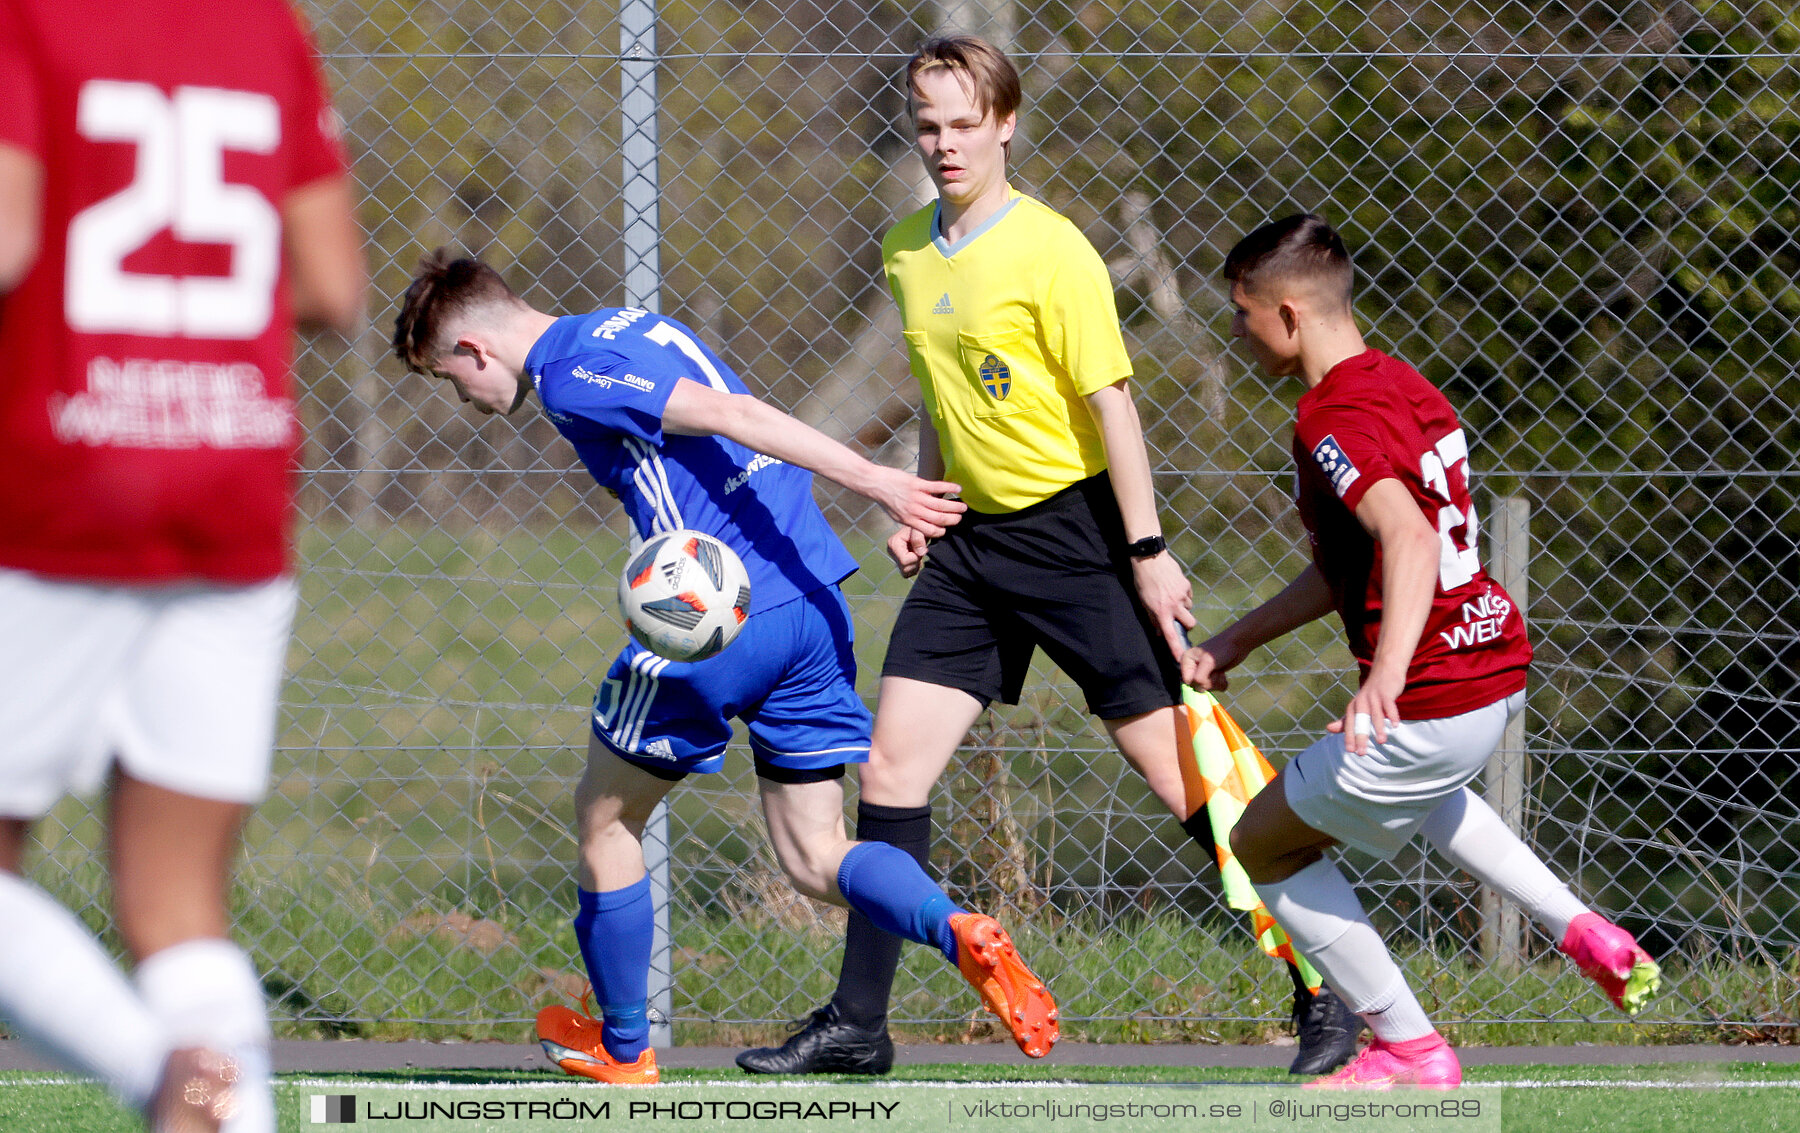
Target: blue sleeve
[(612, 391)]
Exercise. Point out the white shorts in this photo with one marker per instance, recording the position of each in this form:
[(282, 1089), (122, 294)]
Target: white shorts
[(1377, 802), (177, 685)]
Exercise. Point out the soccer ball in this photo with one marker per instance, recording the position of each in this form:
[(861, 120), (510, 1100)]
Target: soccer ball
[(685, 595)]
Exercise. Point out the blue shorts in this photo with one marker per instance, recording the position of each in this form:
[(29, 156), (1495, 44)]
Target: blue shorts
[(790, 677)]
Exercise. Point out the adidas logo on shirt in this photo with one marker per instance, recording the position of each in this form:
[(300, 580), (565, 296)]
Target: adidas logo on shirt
[(943, 306)]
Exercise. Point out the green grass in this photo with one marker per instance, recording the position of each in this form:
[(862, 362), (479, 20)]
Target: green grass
[(1718, 1098), (410, 874), (345, 960), (338, 961)]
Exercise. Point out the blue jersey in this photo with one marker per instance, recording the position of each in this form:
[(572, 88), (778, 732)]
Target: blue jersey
[(604, 379)]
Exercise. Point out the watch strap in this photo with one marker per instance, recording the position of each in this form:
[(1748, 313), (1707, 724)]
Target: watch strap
[(1147, 547)]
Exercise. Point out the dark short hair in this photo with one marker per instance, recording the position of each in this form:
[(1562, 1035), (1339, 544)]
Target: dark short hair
[(1297, 248), (993, 80), (442, 291)]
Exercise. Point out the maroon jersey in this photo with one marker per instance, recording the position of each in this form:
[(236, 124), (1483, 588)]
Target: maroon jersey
[(147, 427), (1375, 418)]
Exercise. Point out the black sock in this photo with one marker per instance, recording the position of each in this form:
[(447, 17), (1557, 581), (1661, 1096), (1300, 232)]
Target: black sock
[(1198, 826), (871, 956), (1300, 988)]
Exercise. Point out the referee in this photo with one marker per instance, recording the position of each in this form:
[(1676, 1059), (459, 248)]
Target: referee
[(1013, 334)]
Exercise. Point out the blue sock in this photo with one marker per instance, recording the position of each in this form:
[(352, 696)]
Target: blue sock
[(614, 932), (886, 885)]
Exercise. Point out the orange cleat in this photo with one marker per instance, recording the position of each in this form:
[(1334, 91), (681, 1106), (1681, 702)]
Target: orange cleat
[(991, 964), (572, 1041)]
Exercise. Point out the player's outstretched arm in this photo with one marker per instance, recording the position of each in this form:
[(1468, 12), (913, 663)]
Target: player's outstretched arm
[(1306, 598), (21, 212), (1162, 586), (1409, 578), (919, 505), (326, 273)]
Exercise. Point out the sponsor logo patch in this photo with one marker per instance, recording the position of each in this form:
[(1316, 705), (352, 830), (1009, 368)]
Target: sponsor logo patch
[(605, 381), (757, 463), (1336, 466)]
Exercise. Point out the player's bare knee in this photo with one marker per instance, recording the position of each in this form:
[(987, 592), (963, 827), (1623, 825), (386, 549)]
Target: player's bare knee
[(887, 780), (808, 883), (601, 837), (1239, 844), (811, 867), (1264, 868), (1249, 853)]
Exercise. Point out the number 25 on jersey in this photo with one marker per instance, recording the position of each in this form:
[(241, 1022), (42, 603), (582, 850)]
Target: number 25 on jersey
[(179, 184)]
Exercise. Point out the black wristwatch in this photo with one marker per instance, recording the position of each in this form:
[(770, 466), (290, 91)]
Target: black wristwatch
[(1147, 548)]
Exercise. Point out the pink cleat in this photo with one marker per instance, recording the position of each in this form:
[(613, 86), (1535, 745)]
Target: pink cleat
[(1428, 1063), (1610, 956)]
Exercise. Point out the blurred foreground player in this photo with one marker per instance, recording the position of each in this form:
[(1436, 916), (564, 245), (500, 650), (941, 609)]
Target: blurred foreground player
[(173, 200), (1383, 490), (664, 424)]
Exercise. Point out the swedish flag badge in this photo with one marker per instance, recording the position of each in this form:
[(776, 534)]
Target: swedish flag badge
[(997, 377)]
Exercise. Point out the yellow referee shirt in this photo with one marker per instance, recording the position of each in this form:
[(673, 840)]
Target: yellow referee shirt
[(1007, 331)]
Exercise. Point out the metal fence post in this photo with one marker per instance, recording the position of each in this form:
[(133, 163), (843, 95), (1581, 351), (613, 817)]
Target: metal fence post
[(1502, 923), (643, 288)]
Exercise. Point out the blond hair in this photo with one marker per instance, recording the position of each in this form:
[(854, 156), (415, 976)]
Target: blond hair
[(992, 79)]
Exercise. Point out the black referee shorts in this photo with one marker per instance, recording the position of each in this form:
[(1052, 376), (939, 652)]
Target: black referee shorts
[(1054, 575)]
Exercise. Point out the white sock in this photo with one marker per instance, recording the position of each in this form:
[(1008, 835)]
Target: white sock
[(1321, 915), (61, 992), (206, 993), (1396, 1016), (1469, 833)]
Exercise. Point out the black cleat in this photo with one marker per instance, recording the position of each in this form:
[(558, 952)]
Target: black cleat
[(1328, 1031), (824, 1044)]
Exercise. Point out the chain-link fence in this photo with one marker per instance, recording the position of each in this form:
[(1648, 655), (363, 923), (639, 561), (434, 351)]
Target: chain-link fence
[(1580, 221)]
